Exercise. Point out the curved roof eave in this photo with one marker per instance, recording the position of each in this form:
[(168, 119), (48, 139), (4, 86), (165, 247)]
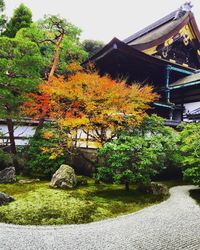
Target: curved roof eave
[(187, 80), (116, 44)]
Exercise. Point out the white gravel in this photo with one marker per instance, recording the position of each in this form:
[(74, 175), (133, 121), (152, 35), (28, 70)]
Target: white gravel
[(171, 225)]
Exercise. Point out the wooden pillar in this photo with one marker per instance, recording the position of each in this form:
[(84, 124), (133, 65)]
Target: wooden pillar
[(168, 69)]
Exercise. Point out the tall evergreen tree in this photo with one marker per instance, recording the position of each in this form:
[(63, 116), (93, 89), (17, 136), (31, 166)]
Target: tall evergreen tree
[(2, 16), (92, 46), (49, 34), (20, 66), (22, 18), (2, 5)]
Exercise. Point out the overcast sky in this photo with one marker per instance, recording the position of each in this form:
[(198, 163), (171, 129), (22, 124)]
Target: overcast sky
[(104, 19)]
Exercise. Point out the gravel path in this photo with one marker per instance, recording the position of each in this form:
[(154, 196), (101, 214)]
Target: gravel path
[(171, 225)]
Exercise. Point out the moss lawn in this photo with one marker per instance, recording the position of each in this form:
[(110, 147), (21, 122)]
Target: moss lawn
[(38, 204)]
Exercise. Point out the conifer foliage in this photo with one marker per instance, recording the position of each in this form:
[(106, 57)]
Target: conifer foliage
[(22, 18)]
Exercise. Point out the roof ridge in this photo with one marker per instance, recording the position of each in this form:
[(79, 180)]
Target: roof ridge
[(151, 27)]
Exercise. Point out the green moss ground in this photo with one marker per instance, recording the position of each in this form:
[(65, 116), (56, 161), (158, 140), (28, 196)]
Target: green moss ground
[(38, 204)]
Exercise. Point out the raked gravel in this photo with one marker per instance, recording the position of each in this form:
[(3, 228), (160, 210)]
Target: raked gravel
[(172, 225)]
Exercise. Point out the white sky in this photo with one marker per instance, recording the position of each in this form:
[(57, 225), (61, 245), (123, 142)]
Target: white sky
[(104, 19)]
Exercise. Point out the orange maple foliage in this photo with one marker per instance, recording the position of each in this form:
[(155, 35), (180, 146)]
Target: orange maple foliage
[(97, 105), (38, 105)]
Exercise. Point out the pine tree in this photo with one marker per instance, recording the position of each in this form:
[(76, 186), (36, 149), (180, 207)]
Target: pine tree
[(2, 16), (20, 65), (22, 18)]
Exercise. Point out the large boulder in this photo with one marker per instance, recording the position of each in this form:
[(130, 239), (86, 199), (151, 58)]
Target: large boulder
[(64, 177), (154, 188), (8, 175), (4, 199)]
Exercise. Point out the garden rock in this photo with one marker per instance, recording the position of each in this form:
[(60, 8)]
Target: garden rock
[(30, 181), (8, 175), (155, 188), (4, 199), (64, 177), (158, 188)]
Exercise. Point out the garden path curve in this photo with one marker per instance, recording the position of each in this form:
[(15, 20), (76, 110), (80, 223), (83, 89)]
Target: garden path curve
[(172, 225)]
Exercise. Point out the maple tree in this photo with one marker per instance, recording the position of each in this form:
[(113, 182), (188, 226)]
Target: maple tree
[(24, 63), (58, 41), (87, 106)]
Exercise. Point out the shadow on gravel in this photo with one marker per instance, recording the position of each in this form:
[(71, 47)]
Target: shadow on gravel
[(195, 194)]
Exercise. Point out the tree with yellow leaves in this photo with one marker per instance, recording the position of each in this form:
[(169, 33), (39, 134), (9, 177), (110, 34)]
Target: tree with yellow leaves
[(89, 107)]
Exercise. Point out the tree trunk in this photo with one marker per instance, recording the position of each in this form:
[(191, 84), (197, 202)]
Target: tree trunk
[(13, 149), (127, 188), (53, 69), (40, 124), (11, 136), (56, 57)]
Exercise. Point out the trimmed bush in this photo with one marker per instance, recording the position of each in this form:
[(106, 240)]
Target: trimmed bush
[(40, 163), (139, 154), (190, 152), (6, 160)]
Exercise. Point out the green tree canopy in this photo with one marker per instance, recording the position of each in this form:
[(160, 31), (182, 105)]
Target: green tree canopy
[(190, 152), (45, 33), (22, 18), (20, 67), (2, 16), (92, 46), (40, 163), (138, 155), (2, 5)]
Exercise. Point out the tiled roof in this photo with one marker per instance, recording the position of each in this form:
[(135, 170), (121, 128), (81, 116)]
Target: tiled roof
[(151, 27), (159, 32)]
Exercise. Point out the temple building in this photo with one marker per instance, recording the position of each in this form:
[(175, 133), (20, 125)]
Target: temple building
[(165, 54)]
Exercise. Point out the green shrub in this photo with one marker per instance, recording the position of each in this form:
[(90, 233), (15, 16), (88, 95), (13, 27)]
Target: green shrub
[(82, 181), (190, 152), (138, 155), (169, 138), (131, 159), (40, 164), (6, 160)]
